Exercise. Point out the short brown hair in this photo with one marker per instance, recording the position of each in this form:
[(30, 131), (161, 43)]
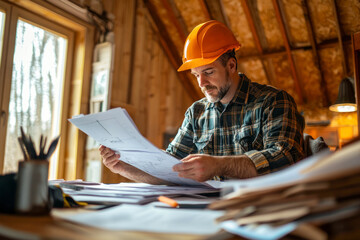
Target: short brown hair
[(226, 56)]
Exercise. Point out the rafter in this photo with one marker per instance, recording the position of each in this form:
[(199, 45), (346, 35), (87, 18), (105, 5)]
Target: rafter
[(216, 10), (254, 31), (309, 25), (288, 51), (252, 7), (323, 45), (339, 34), (174, 19), (226, 19), (252, 26), (205, 9), (178, 16), (170, 51)]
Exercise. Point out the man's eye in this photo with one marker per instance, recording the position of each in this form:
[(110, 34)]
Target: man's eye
[(209, 72)]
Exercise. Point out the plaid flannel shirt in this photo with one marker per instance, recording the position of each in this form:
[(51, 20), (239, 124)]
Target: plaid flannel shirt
[(260, 121)]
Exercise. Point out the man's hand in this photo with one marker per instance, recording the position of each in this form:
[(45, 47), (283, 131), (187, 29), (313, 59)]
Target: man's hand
[(199, 167), (202, 167), (110, 159)]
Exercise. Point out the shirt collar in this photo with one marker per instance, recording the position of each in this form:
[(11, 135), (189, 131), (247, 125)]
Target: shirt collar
[(241, 95)]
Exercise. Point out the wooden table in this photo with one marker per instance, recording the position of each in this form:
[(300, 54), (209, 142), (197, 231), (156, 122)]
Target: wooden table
[(52, 227)]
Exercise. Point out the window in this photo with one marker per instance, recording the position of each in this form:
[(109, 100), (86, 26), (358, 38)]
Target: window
[(42, 79)]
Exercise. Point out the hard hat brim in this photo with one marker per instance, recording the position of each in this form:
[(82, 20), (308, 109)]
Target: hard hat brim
[(198, 62), (194, 63)]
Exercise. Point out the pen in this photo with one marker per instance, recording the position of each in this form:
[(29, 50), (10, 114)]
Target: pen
[(169, 201)]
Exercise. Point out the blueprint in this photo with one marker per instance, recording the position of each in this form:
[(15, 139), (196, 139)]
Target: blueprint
[(116, 130)]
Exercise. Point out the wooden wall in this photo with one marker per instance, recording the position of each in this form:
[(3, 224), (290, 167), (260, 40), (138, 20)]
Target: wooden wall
[(144, 81)]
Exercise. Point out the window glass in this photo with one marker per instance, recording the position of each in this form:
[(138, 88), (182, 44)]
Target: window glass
[(36, 87)]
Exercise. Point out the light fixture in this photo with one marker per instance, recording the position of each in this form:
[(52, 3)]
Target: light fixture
[(345, 101)]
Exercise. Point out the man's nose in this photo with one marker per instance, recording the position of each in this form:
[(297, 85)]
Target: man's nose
[(202, 81)]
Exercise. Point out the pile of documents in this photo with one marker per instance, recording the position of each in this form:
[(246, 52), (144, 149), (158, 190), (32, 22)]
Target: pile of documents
[(130, 193), (317, 191)]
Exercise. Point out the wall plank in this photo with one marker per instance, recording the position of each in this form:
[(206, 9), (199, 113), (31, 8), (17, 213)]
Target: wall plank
[(124, 12)]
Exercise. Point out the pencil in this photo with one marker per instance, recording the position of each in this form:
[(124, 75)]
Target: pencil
[(168, 201)]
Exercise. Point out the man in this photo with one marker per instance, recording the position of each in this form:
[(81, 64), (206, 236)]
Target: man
[(240, 130)]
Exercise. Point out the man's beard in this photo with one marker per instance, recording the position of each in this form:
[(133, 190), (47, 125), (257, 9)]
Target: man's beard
[(221, 92)]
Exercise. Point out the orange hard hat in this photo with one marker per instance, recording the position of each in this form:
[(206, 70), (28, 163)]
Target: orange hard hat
[(206, 43)]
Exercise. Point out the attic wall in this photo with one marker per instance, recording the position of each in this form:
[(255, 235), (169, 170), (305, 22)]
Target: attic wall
[(144, 81)]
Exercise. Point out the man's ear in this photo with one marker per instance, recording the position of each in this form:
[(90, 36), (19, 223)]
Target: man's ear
[(231, 64)]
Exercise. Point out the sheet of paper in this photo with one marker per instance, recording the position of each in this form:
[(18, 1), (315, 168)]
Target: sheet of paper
[(150, 219), (116, 130), (113, 129), (110, 200)]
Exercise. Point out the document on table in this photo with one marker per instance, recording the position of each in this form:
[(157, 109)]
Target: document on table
[(150, 219), (134, 193), (116, 130)]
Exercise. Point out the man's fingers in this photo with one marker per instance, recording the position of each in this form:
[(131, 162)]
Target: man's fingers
[(184, 166), (190, 157), (109, 154), (112, 158), (103, 150), (110, 163), (101, 147)]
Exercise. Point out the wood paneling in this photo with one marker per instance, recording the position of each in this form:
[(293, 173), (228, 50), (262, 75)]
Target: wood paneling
[(157, 100), (124, 12)]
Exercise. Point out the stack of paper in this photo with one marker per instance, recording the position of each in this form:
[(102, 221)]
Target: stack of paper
[(116, 130), (321, 189), (132, 193)]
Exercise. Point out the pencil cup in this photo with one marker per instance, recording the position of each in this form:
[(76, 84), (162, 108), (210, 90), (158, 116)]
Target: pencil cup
[(32, 194)]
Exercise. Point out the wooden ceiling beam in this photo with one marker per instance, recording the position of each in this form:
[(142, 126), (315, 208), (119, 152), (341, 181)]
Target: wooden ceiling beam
[(310, 29), (174, 20), (226, 19), (339, 34), (328, 44), (179, 17), (216, 11), (254, 13), (171, 51), (280, 20), (255, 32), (205, 9), (249, 18)]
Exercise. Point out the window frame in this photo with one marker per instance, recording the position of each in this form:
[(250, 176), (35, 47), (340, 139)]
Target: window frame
[(75, 95)]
